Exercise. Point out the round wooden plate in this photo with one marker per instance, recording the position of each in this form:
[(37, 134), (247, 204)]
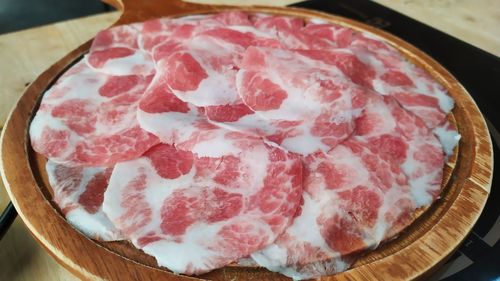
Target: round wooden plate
[(423, 246)]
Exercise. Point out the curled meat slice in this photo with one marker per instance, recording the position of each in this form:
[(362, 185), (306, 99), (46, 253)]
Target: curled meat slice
[(164, 115), (115, 51)]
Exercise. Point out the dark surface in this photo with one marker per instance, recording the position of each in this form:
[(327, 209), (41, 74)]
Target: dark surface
[(6, 218), (479, 72), (22, 14)]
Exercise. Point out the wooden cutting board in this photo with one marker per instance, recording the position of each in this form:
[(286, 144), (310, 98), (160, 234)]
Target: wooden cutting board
[(427, 242)]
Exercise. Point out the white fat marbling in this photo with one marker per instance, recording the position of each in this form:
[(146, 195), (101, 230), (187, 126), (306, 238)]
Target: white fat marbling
[(449, 138), (67, 191)]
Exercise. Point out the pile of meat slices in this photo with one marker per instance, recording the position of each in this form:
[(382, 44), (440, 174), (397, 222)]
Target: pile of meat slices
[(212, 139)]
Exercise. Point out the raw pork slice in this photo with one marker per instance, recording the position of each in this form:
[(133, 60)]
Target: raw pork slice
[(195, 213), (115, 51), (89, 118), (79, 192), (385, 70), (161, 113), (360, 193), (201, 70), (282, 85), (448, 136), (288, 31), (155, 32), (404, 139)]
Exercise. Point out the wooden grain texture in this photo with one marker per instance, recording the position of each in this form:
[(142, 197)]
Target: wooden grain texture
[(20, 255), (469, 20), (24, 55)]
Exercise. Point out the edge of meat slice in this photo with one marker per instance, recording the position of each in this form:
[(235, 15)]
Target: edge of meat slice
[(448, 136), (195, 213), (89, 118), (360, 194), (391, 73), (79, 193), (164, 115), (115, 51), (323, 102)]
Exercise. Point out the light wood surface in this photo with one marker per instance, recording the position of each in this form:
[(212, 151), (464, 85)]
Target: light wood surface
[(25, 54)]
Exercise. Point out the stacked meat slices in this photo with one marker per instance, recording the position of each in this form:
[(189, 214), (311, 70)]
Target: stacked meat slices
[(207, 139)]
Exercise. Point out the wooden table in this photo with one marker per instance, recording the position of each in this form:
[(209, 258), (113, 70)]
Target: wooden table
[(25, 54)]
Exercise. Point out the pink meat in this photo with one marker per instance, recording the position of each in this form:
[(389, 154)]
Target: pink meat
[(115, 51), (288, 31), (390, 73), (164, 115), (213, 206), (380, 122), (79, 193), (233, 18), (198, 114), (157, 31), (320, 104), (359, 194), (89, 118), (200, 71)]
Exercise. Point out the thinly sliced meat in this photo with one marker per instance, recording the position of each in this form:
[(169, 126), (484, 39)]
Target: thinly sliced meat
[(174, 121), (195, 214), (241, 118), (273, 23), (115, 51), (89, 118), (288, 31), (343, 37), (230, 95), (346, 211), (161, 113), (359, 194), (390, 73), (79, 192), (323, 103), (202, 70), (416, 149), (157, 31), (448, 136), (411, 86), (233, 18)]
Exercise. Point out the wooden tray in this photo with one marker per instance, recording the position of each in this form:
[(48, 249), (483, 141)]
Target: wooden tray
[(422, 247)]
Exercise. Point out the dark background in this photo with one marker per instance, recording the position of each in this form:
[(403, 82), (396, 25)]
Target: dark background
[(21, 14)]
